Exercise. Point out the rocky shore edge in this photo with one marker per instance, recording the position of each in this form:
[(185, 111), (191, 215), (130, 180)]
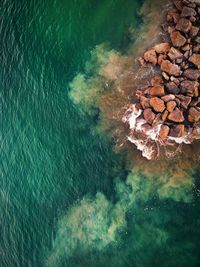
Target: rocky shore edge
[(171, 98)]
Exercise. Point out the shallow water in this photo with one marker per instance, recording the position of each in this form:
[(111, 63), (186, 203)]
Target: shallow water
[(66, 198)]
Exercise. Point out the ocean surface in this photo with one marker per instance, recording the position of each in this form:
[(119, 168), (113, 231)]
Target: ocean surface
[(63, 191)]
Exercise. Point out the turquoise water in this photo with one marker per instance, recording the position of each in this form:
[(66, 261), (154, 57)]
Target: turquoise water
[(54, 162)]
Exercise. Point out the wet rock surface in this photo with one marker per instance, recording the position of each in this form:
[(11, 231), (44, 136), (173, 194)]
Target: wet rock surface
[(172, 97)]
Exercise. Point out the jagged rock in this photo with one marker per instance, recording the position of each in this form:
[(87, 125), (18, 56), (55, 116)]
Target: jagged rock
[(184, 100), (188, 12), (170, 68), (175, 80), (176, 115), (172, 88), (150, 56), (194, 31), (177, 131), (194, 115), (161, 57), (157, 90), (149, 116), (162, 48), (144, 101), (164, 115), (156, 80), (158, 119), (170, 29), (164, 131), (171, 106), (186, 47), (195, 59), (196, 48), (168, 98), (172, 15), (192, 74), (184, 25), (177, 39), (179, 5), (157, 104), (188, 87), (174, 54)]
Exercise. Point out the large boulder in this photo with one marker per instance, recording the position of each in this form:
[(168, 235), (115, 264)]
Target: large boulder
[(192, 74), (150, 56), (157, 104), (176, 115), (188, 12), (184, 25), (174, 54), (157, 90), (164, 131), (194, 115), (184, 100), (171, 106), (149, 116), (162, 48), (189, 87), (195, 59), (170, 68), (177, 39), (168, 98)]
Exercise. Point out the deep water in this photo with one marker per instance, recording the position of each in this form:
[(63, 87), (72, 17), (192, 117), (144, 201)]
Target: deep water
[(64, 197)]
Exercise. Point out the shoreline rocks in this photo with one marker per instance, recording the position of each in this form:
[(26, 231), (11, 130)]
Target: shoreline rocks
[(173, 97)]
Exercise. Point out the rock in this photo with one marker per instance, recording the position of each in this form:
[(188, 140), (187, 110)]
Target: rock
[(175, 80), (184, 25), (157, 90), (196, 89), (194, 115), (177, 39), (196, 48), (164, 115), (174, 54), (168, 98), (172, 88), (158, 119), (188, 87), (162, 48), (170, 68), (172, 15), (144, 101), (184, 101), (178, 4), (186, 47), (177, 131), (149, 116), (176, 115), (150, 56), (164, 131), (171, 106), (195, 102), (188, 12), (165, 76), (156, 80), (194, 31), (195, 59), (170, 29), (157, 104), (192, 74), (161, 57)]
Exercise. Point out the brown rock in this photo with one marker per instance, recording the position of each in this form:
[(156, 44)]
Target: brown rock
[(177, 131), (157, 90), (184, 25), (194, 31), (164, 131), (195, 102), (172, 15), (184, 100), (186, 47), (165, 76), (174, 53), (194, 115), (196, 89), (170, 68), (192, 74), (176, 115), (188, 12), (172, 88), (196, 48), (170, 29), (148, 114), (158, 119), (162, 48), (177, 39), (168, 98), (144, 101), (178, 4), (175, 80), (157, 104), (171, 106), (150, 56), (161, 57), (195, 59), (164, 115), (188, 87), (156, 80)]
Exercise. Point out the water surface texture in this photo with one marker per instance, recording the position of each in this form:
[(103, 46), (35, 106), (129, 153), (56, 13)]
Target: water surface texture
[(66, 198)]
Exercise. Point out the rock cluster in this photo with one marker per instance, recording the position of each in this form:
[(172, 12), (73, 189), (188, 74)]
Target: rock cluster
[(172, 98)]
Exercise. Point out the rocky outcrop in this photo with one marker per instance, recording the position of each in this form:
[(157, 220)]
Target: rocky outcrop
[(172, 97)]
